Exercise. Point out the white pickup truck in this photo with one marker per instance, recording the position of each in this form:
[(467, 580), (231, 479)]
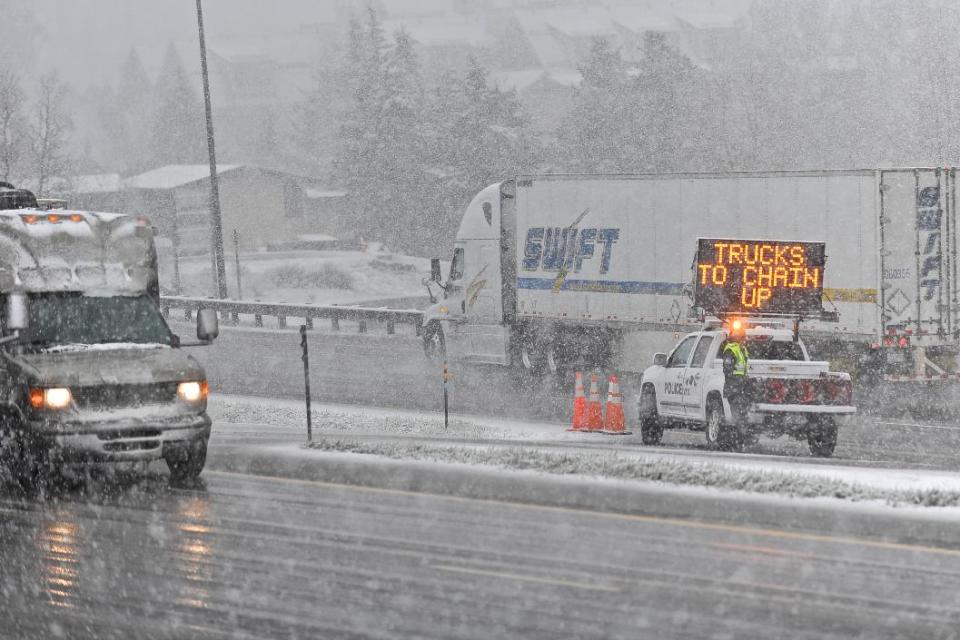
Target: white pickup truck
[(790, 394)]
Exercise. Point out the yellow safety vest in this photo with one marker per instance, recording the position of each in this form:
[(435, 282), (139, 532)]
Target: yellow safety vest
[(740, 355)]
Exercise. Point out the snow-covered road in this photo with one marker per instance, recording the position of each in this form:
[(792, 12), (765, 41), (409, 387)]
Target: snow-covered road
[(418, 435), (376, 370)]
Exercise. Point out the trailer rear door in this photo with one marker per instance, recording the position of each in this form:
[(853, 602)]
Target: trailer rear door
[(918, 241)]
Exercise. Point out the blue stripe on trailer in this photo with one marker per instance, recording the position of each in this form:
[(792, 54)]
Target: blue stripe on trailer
[(604, 286)]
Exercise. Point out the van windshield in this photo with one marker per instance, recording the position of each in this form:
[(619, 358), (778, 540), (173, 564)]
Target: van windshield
[(61, 319)]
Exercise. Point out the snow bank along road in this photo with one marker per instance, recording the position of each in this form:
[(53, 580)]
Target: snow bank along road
[(391, 371), (253, 557)]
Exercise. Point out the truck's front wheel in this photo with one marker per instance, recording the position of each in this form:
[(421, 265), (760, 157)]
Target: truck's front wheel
[(822, 435), (186, 463), (720, 433), (651, 428)]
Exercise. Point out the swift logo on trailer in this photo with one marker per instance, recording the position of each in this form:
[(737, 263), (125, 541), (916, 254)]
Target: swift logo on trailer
[(556, 248), (928, 229)]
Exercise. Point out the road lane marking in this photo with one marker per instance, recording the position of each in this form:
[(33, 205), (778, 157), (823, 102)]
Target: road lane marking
[(780, 534), (752, 548), (917, 425), (526, 578)]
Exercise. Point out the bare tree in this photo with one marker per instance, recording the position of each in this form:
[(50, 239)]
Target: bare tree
[(11, 124), (49, 127)]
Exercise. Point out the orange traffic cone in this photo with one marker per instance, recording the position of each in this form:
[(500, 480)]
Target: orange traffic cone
[(615, 423), (579, 405), (594, 412)]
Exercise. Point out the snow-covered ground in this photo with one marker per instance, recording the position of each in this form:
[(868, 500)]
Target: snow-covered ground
[(317, 277), (280, 425)]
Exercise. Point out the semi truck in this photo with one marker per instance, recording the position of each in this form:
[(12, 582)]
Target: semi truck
[(92, 374), (549, 271)]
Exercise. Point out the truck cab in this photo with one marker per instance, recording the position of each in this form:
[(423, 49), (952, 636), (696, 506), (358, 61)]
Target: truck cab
[(789, 393), (467, 318)]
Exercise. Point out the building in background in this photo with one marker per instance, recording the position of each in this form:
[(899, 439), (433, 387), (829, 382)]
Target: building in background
[(268, 209)]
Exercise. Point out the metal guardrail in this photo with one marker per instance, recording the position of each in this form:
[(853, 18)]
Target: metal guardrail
[(233, 309)]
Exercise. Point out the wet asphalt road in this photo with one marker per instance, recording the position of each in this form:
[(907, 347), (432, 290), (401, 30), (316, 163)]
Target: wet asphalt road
[(258, 557)]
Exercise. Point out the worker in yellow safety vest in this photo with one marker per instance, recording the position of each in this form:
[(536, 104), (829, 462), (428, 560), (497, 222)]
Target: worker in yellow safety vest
[(736, 367)]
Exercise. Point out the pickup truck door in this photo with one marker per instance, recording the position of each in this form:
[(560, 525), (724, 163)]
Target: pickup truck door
[(695, 377), (670, 396)]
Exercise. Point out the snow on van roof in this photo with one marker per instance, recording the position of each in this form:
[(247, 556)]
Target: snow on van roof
[(67, 250)]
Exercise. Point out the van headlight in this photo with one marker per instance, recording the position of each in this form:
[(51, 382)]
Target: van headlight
[(51, 398), (193, 392)]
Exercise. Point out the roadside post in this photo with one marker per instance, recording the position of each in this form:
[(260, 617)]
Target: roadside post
[(236, 255), (306, 379), (446, 395)]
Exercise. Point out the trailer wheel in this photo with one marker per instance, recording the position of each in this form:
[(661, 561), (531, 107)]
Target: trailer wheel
[(720, 433), (434, 344), (822, 435), (651, 427), (539, 357)]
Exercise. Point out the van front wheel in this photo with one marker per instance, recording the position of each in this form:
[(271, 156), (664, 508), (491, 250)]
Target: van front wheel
[(186, 463)]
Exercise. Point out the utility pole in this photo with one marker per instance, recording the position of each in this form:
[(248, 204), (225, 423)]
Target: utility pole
[(176, 253), (216, 223)]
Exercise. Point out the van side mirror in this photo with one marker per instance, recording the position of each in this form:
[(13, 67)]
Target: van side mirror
[(208, 325), (660, 359), (18, 311), (435, 269)]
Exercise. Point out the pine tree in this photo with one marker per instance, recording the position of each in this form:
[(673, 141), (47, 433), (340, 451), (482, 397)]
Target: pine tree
[(599, 134), (125, 117), (373, 143), (133, 90), (178, 133), (410, 157), (668, 121), (479, 135)]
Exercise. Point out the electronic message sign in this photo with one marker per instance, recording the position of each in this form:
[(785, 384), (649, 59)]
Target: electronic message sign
[(758, 277)]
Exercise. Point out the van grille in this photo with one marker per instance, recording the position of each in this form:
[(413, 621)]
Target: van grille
[(135, 445), (115, 396)]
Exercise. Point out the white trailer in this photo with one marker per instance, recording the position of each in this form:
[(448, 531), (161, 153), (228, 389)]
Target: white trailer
[(598, 269)]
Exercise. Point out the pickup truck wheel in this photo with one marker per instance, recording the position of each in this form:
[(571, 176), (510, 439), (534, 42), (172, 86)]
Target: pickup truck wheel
[(822, 436), (651, 428), (186, 463), (720, 433), (434, 344)]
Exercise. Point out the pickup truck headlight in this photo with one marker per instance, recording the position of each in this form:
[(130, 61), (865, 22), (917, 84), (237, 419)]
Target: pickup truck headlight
[(193, 392), (52, 398)]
